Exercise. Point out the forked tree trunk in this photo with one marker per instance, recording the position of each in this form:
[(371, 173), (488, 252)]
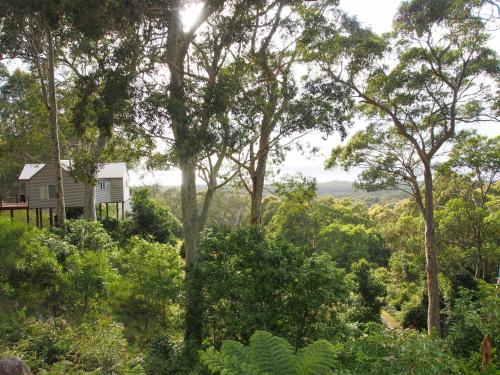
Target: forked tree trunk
[(433, 312), (176, 51), (54, 131)]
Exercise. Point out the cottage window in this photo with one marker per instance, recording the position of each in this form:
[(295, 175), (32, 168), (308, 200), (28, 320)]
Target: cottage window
[(47, 192), (103, 185)]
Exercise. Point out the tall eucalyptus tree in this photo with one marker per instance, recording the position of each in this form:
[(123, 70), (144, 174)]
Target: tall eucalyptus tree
[(31, 31), (433, 74), (275, 108)]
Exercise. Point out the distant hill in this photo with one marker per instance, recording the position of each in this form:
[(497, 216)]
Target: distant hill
[(340, 189), (343, 189)]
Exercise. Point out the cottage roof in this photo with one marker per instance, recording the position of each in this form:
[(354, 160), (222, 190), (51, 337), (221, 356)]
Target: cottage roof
[(107, 170), (112, 170), (29, 171)]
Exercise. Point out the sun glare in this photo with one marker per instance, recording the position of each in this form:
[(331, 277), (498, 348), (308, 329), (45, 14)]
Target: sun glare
[(190, 13)]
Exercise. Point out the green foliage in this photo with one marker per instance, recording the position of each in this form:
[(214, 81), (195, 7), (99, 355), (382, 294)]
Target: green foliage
[(474, 314), (151, 221), (268, 354), (408, 352), (163, 356), (297, 297), (10, 250), (150, 286), (23, 121), (88, 235), (301, 218), (101, 345), (369, 293), (377, 352), (90, 279), (349, 243), (50, 276), (468, 222), (96, 346)]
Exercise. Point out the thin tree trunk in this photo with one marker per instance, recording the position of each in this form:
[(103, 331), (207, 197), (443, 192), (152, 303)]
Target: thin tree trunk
[(479, 254), (207, 202), (194, 297), (54, 129), (89, 211), (89, 202), (479, 271), (258, 180), (256, 196), (433, 312)]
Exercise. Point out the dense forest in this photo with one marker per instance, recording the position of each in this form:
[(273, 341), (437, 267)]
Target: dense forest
[(252, 273)]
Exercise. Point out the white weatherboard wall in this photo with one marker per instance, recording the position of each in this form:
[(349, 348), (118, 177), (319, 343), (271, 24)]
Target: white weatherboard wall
[(102, 196), (73, 191)]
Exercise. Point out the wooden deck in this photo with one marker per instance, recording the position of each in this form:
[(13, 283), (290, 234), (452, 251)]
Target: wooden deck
[(7, 206)]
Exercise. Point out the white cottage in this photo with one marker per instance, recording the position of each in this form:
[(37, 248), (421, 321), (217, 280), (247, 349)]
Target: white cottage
[(38, 187)]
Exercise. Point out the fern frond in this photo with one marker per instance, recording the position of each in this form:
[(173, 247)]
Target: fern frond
[(213, 360), (317, 358), (236, 349), (272, 355)]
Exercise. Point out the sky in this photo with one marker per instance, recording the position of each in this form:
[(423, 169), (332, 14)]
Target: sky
[(378, 15)]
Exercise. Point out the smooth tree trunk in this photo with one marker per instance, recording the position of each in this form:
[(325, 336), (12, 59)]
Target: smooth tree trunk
[(259, 174), (207, 203), (258, 180), (54, 130), (176, 53), (194, 297), (433, 311), (177, 45), (480, 262), (89, 212)]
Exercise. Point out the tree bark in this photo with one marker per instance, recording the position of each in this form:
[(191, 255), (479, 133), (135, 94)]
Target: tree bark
[(54, 130), (433, 312), (89, 202), (259, 174), (176, 52), (258, 180), (89, 212), (207, 202), (194, 297)]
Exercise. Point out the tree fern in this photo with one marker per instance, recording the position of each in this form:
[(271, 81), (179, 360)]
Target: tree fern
[(317, 359), (270, 355)]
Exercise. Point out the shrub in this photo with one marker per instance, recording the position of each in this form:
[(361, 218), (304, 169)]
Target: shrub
[(151, 285), (368, 293), (100, 344), (88, 235), (163, 356), (348, 243), (151, 221), (407, 352), (10, 252), (251, 282)]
